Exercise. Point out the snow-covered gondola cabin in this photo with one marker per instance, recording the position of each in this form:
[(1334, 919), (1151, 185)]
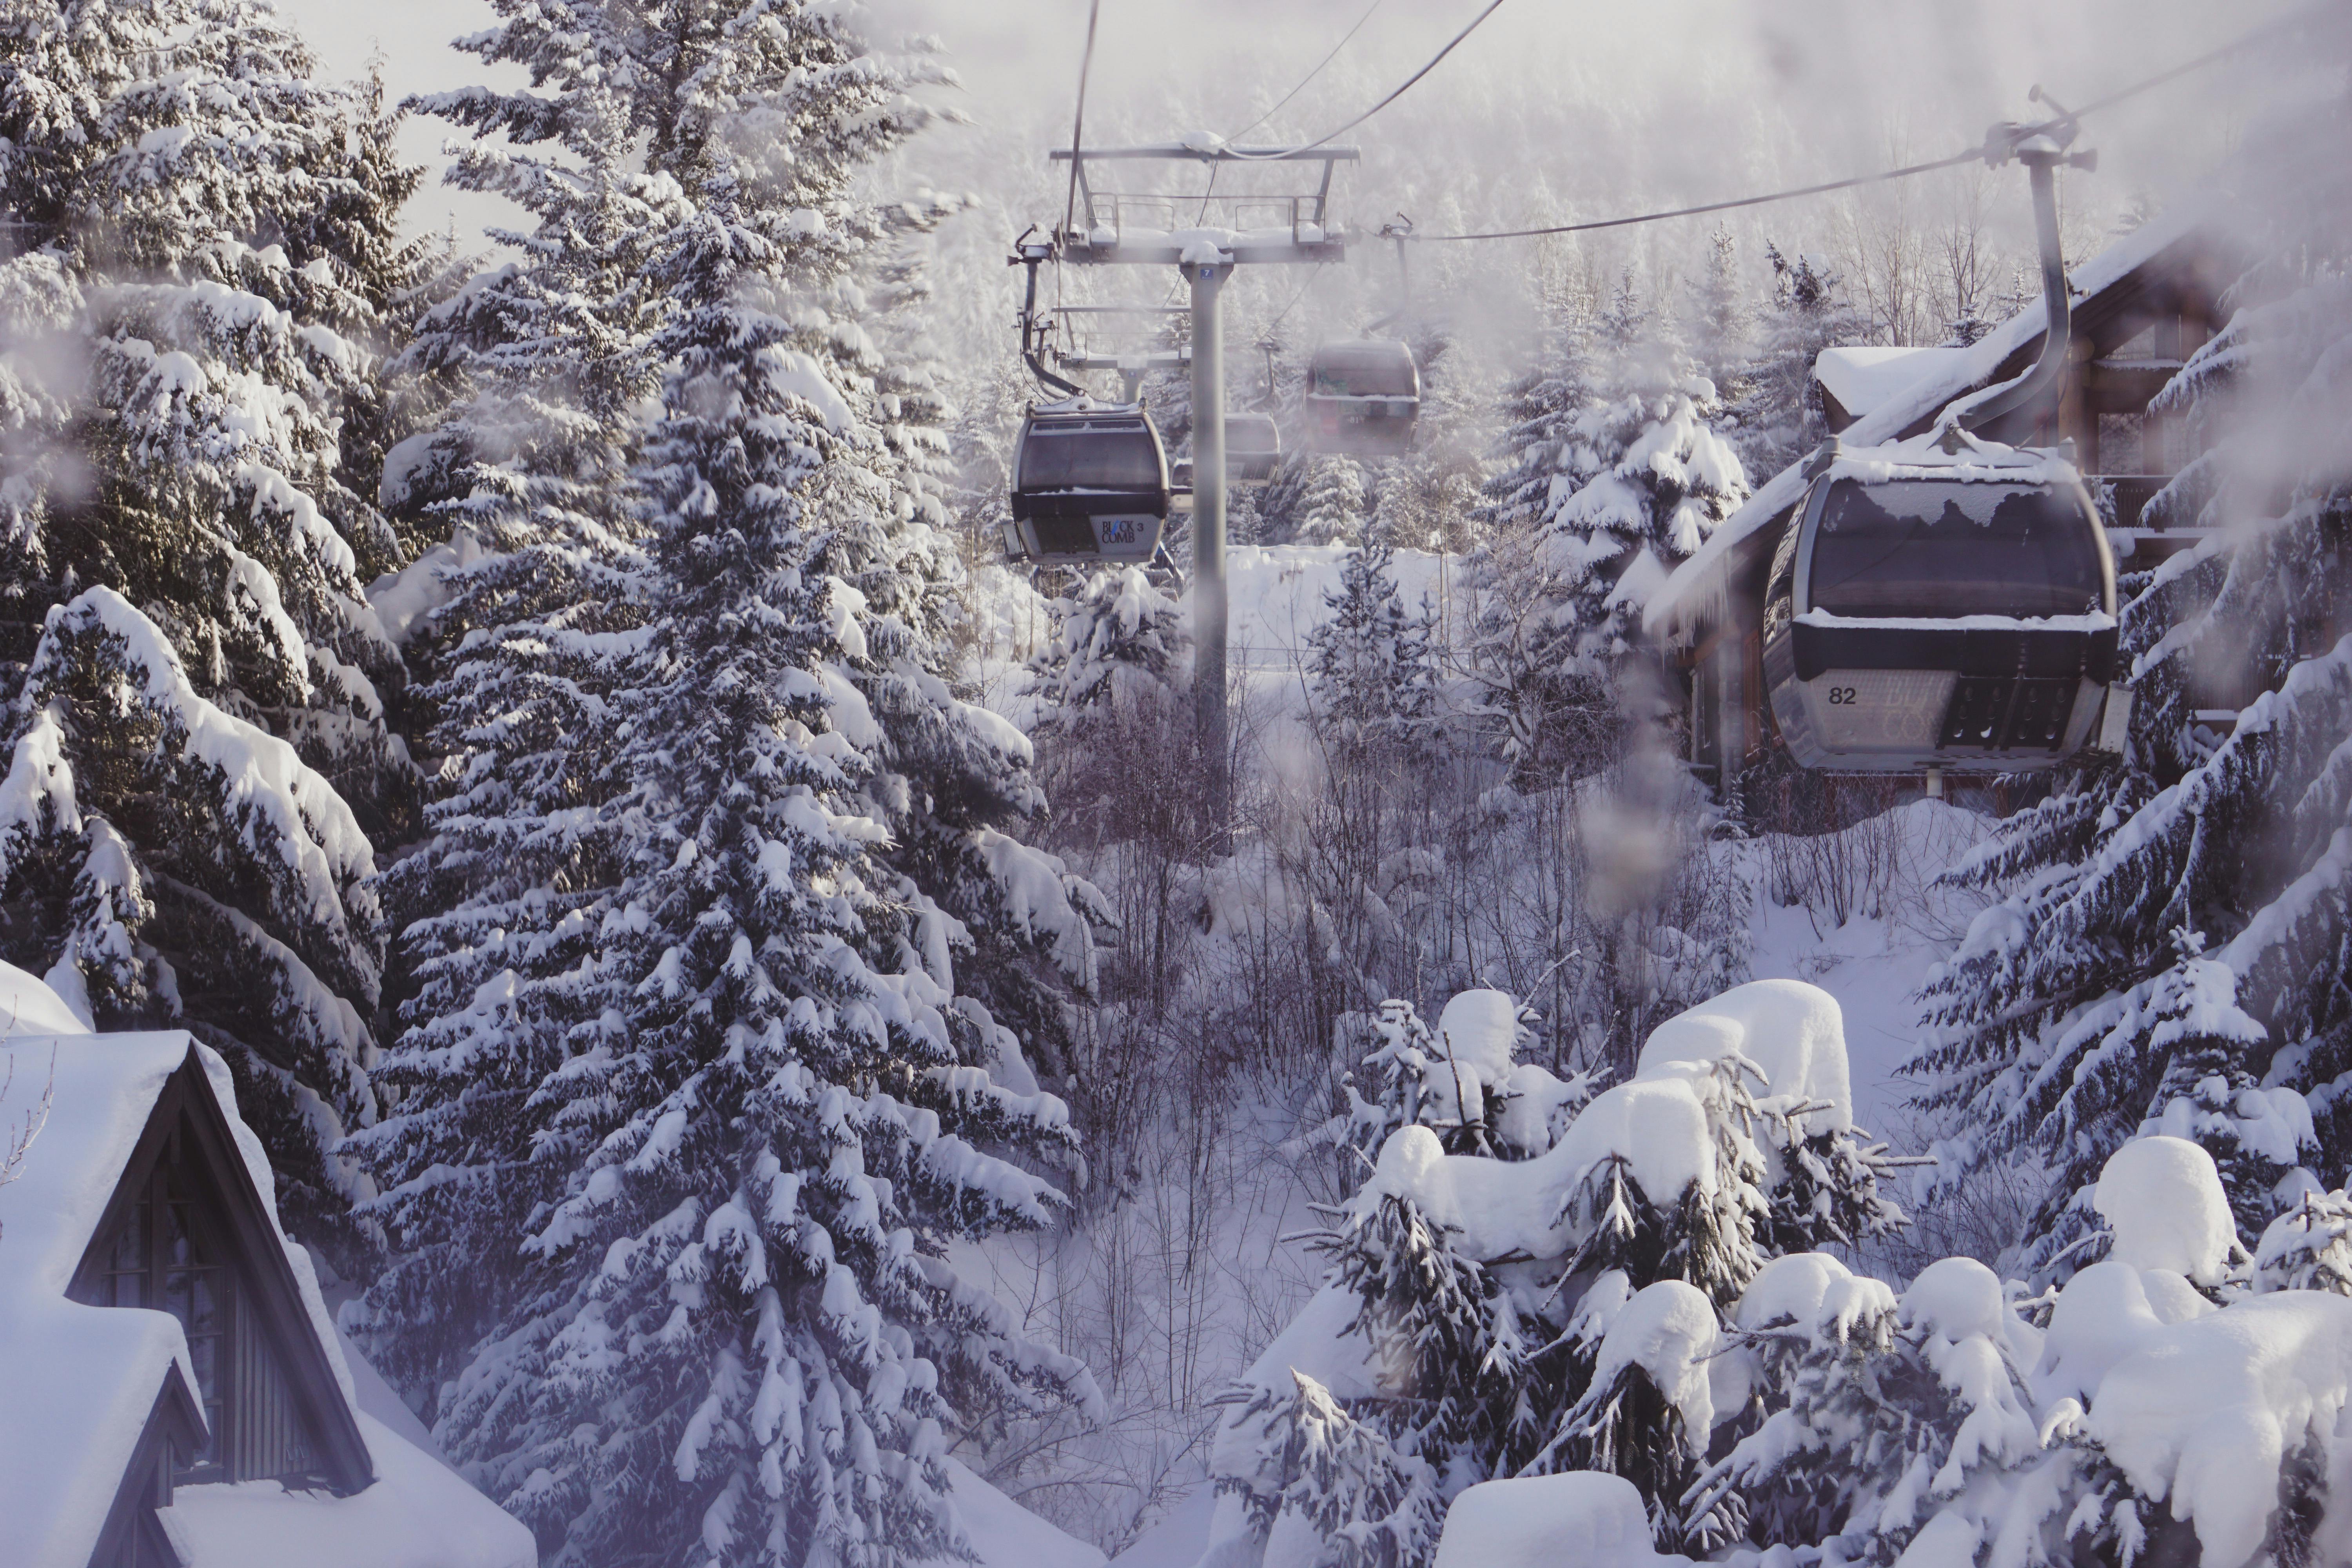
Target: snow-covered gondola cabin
[(172, 1393), (2140, 308)]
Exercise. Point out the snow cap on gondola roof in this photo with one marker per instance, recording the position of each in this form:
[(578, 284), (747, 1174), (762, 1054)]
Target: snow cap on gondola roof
[(1949, 452)]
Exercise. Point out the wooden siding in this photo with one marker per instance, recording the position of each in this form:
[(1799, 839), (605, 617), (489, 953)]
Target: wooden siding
[(266, 1437)]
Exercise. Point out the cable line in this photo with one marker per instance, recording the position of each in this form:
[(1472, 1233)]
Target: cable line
[(1310, 76), (1401, 90), (1971, 155)]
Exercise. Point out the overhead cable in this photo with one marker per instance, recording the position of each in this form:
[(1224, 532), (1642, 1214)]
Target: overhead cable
[(1310, 76), (1403, 88), (1906, 171)]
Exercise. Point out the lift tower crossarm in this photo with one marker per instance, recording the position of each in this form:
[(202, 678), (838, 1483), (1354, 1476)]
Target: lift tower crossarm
[(1104, 235), (1218, 154)]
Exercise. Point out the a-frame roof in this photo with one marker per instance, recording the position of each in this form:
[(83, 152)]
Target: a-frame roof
[(78, 1382), (86, 1393), (187, 1112)]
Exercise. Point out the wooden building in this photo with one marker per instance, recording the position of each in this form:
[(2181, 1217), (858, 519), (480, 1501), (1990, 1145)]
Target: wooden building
[(172, 1393), (2140, 308)]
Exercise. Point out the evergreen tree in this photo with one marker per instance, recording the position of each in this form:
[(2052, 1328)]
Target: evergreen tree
[(531, 621), (1475, 1096), (204, 231), (1721, 322), (721, 1076), (1371, 670), (1615, 474), (1886, 1412), (1772, 406), (1330, 511), (1582, 1342), (1117, 640), (2164, 954), (1429, 498)]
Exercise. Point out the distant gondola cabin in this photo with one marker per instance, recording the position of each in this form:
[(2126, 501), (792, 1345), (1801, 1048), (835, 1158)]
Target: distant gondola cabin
[(1363, 399)]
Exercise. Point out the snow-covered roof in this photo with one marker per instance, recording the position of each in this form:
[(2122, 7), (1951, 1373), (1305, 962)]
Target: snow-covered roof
[(1694, 582), (28, 1007), (78, 1383), (1862, 378)]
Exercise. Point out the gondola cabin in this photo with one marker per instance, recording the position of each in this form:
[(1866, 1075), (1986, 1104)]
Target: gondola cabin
[(1253, 447), (1944, 602), (1363, 399), (1090, 486), (1752, 626)]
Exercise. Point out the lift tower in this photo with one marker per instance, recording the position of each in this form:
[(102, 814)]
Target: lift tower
[(1109, 228)]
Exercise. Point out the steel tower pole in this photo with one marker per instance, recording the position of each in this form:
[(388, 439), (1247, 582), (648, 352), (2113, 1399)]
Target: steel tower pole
[(1209, 725)]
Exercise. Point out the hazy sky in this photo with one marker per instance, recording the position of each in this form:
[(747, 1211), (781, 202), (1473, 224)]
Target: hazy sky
[(1695, 86)]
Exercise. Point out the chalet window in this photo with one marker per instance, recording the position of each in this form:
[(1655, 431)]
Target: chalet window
[(169, 1249)]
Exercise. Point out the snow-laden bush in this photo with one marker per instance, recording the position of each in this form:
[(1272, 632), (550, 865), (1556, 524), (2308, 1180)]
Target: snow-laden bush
[(1557, 1308), (1557, 1346), (2140, 1422)]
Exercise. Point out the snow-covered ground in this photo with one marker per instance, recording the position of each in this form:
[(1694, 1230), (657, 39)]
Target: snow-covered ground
[(1875, 961)]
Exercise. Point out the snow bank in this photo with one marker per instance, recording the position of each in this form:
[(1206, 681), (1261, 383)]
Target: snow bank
[(417, 1515), (1003, 1534), (1584, 1520), (1792, 1032), (2162, 1198)]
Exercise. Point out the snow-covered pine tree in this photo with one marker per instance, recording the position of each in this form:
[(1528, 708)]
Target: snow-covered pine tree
[(1116, 639), (1773, 416), (401, 277), (1721, 323), (1617, 474), (720, 1077), (1330, 508), (191, 655), (2166, 953), (1884, 1410), (1556, 713), (1371, 670), (1429, 498), (1556, 1307), (1462, 1081), (1377, 1505), (524, 619), (1107, 690), (2308, 1246)]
